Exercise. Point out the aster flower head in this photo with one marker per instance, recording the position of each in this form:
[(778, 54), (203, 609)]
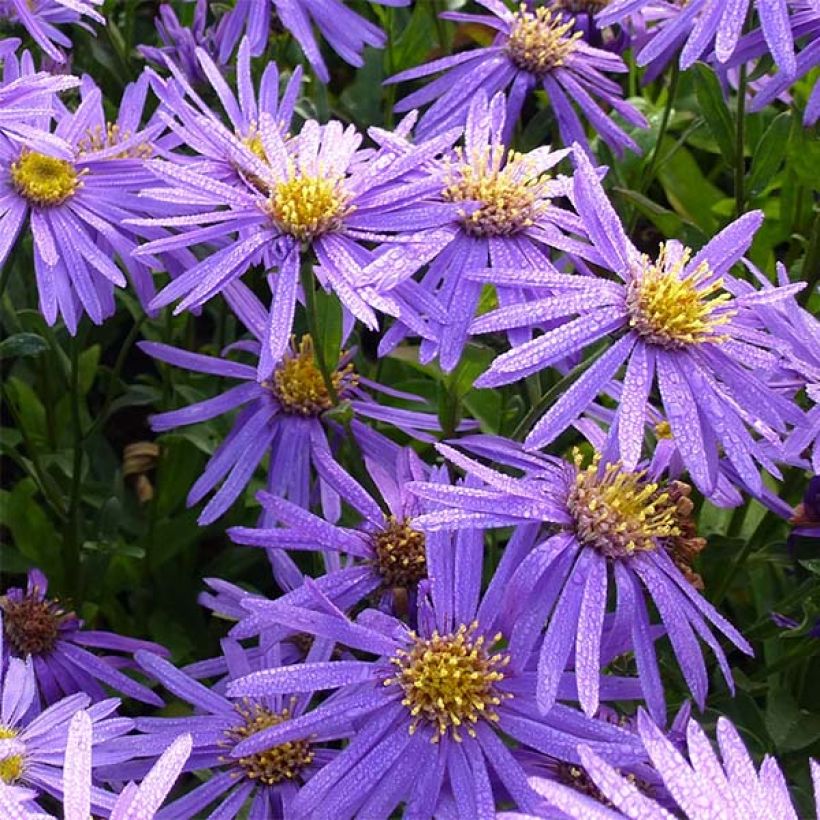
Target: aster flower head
[(601, 524), (40, 18), (704, 785), (39, 628), (679, 320), (346, 32), (283, 415), (266, 780), (425, 719), (532, 48), (33, 742)]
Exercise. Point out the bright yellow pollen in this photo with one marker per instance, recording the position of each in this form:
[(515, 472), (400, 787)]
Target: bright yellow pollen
[(540, 40), (450, 681), (663, 430), (298, 384), (307, 206), (617, 512), (44, 180), (673, 311), (274, 765), (11, 768), (511, 193), (401, 559)]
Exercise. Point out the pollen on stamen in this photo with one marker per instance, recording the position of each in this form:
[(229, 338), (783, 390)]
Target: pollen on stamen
[(674, 311), (401, 558), (617, 512), (509, 192), (450, 682), (97, 139), (11, 767), (540, 40), (43, 180)]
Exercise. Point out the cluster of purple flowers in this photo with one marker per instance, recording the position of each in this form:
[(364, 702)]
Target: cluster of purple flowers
[(412, 673)]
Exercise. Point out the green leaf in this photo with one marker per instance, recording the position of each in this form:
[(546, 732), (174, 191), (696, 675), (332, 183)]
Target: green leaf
[(89, 362), (22, 344), (33, 533), (715, 111), (666, 221), (769, 153), (329, 320)]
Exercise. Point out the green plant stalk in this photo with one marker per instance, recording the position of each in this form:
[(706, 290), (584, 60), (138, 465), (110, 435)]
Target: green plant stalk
[(740, 141), (73, 539), (811, 263)]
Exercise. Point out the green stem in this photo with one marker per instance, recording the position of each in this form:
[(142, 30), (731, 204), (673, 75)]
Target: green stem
[(313, 328), (740, 141), (74, 539), (5, 275), (811, 263)]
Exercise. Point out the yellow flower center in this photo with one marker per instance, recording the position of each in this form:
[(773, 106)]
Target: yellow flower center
[(450, 681), (254, 144), (511, 197), (674, 311), (663, 430), (98, 140), (44, 180), (617, 512), (307, 206), (540, 40), (11, 768), (400, 555), (274, 765), (30, 625), (298, 384)]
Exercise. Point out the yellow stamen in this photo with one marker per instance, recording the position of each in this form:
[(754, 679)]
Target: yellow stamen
[(401, 558), (44, 180), (11, 767), (673, 310), (450, 681), (97, 140), (540, 40)]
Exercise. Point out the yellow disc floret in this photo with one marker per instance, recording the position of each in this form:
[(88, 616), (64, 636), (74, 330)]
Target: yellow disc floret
[(277, 764), (298, 383), (44, 180), (450, 681), (617, 512), (540, 40), (308, 206), (672, 310), (401, 559), (511, 194), (11, 767), (99, 139)]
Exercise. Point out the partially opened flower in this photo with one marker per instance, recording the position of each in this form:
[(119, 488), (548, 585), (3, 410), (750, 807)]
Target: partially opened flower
[(346, 31), (679, 321), (40, 629), (40, 18), (532, 48), (704, 785), (601, 525), (436, 719)]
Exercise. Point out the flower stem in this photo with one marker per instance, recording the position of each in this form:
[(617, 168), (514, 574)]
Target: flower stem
[(740, 141), (73, 539)]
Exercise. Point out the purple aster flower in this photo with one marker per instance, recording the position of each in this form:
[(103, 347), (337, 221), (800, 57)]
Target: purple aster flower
[(678, 320), (33, 742), (479, 205), (425, 718), (37, 627), (266, 780), (604, 524), (346, 32), (40, 19), (700, 28), (703, 786), (284, 415), (531, 48), (314, 196), (74, 187)]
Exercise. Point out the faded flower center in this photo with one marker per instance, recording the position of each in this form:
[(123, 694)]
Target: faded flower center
[(400, 555), (577, 778), (684, 546), (31, 626), (307, 206), (44, 180), (274, 765), (299, 386), (11, 767), (450, 681), (540, 40), (617, 512), (510, 197), (98, 139), (673, 311)]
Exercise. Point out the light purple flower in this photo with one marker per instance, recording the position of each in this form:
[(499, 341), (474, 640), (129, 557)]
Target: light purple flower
[(680, 321), (346, 31), (40, 18), (531, 49), (600, 524), (704, 785), (441, 750), (39, 629)]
